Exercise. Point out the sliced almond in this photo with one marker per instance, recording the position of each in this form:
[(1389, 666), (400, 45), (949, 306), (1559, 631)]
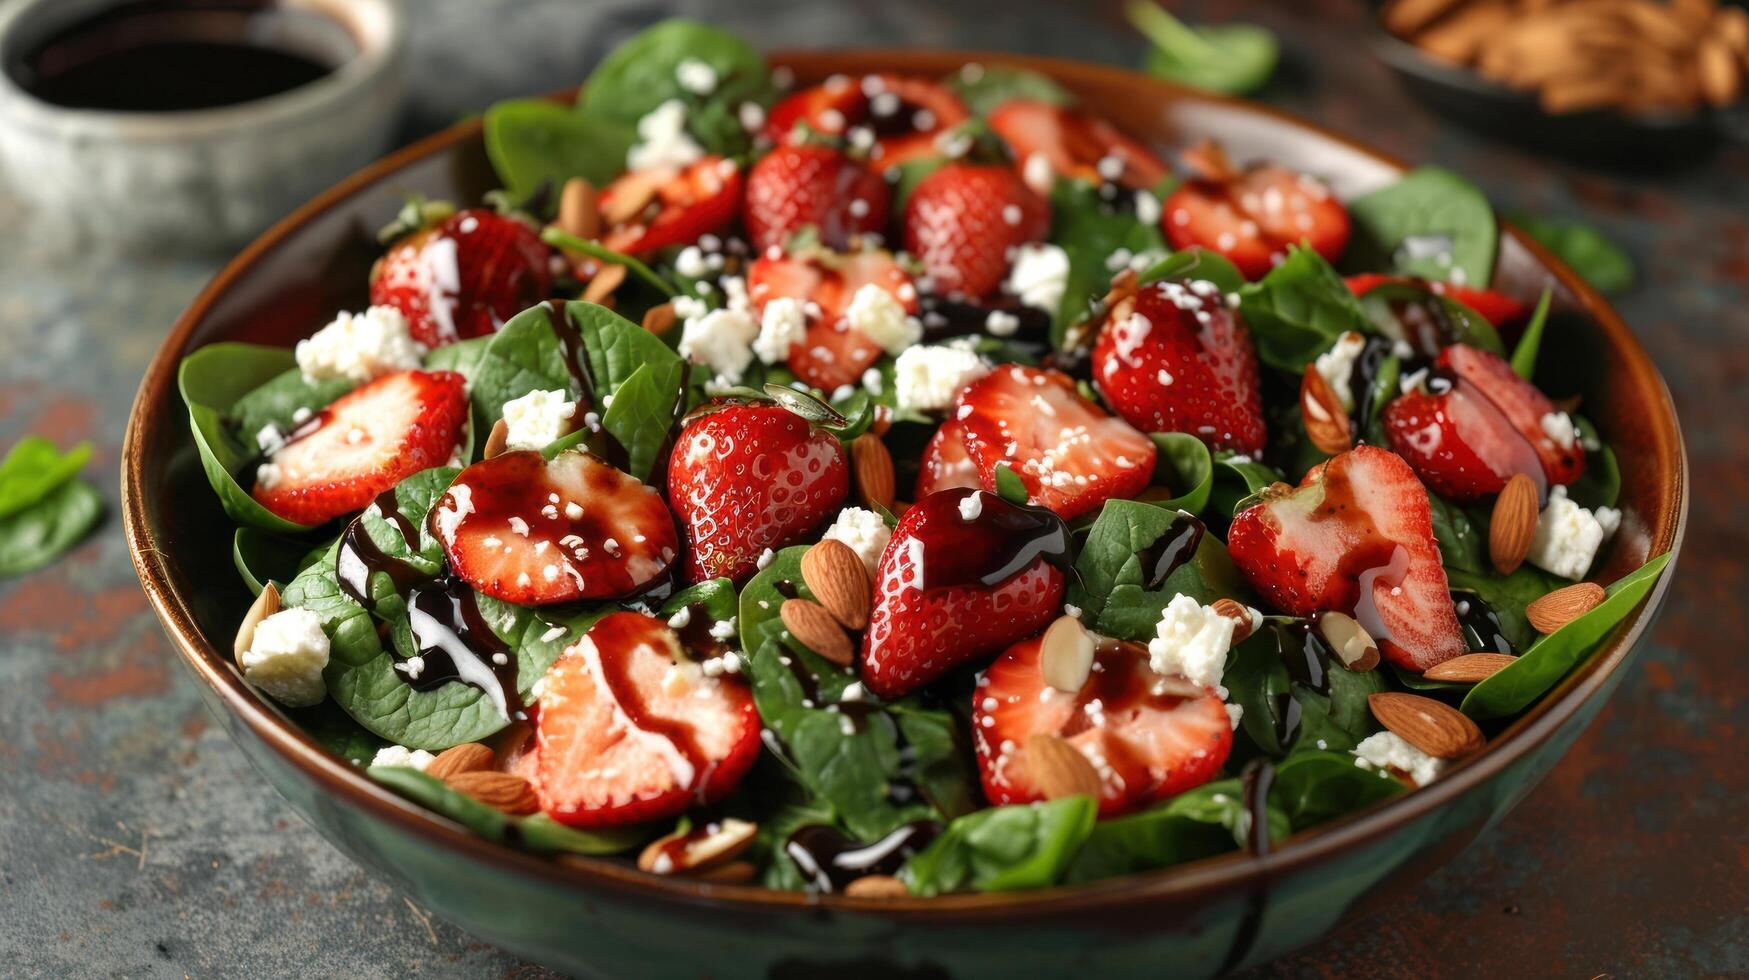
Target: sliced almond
[(660, 319), (1065, 656), (1326, 421), (1513, 525), (817, 629), (631, 194), (1239, 613), (877, 886), (1058, 768), (1353, 645), (873, 466), (1562, 606), (457, 759), (498, 441), (604, 283), (1720, 74), (504, 791), (699, 849), (1406, 18), (265, 605), (883, 420), (1732, 26), (579, 209), (1471, 668), (839, 581), (1209, 160), (1434, 727)]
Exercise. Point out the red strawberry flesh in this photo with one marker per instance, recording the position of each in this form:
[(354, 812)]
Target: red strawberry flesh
[(463, 276)]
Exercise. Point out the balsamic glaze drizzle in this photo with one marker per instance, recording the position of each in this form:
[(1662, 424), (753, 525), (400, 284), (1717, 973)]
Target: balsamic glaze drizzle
[(830, 860)]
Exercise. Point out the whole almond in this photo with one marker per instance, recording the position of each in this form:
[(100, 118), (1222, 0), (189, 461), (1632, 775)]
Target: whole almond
[(839, 581), (504, 791), (1239, 613), (1721, 78), (1058, 768), (579, 209), (457, 759), (631, 195), (1326, 421), (1065, 656), (603, 283), (497, 441), (660, 319), (1513, 525), (265, 605), (1434, 727), (817, 629), (699, 849), (1354, 646), (1471, 668), (874, 469), (877, 886), (1562, 606)]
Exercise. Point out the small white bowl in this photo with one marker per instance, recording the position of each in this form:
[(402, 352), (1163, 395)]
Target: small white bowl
[(201, 179)]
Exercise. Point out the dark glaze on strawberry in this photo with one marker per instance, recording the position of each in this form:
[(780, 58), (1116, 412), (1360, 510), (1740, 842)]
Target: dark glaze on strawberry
[(1118, 685), (1003, 540), (457, 644), (625, 631), (696, 638), (1173, 550), (830, 860)]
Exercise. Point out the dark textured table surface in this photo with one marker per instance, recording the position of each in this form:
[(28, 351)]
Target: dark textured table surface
[(135, 841)]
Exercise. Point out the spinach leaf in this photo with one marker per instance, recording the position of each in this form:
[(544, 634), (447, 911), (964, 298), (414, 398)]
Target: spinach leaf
[(1257, 680), (571, 243), (717, 595), (939, 757), (1507, 595), (1430, 223), (1210, 819), (1298, 310), (539, 832), (1462, 324), (640, 75), (776, 824), (337, 732), (1236, 478), (1461, 547), (1598, 260), (1512, 688), (277, 402), (1184, 465), (1313, 786), (1600, 484), (1230, 58), (617, 347), (1194, 263), (523, 356), (536, 142), (41, 532), (261, 557), (760, 598), (212, 380), (1524, 355), (1004, 848), (642, 412), (1110, 590), (34, 467), (1089, 230), (989, 86)]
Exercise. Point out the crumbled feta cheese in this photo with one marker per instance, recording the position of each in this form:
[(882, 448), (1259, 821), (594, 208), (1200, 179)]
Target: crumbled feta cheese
[(1039, 276), (1147, 208), (663, 140), (853, 691), (783, 325), (864, 531), (360, 347), (1559, 427), (286, 656), (1001, 323), (1191, 641), (972, 506), (1387, 750), (691, 263), (881, 318), (1568, 536), (695, 76), (269, 439), (1234, 713), (752, 116), (400, 755), (765, 558), (537, 419), (1337, 366), (1037, 173), (722, 340), (930, 378)]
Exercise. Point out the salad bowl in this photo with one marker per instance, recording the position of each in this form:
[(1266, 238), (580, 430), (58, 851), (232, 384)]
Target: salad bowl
[(603, 917)]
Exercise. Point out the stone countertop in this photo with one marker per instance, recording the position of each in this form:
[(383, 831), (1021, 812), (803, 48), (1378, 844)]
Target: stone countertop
[(135, 841)]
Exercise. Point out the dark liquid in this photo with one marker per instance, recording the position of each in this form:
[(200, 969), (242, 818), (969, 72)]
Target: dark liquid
[(831, 860), (1306, 656), (1482, 630), (170, 56), (1174, 549), (1001, 542), (945, 317), (457, 644)]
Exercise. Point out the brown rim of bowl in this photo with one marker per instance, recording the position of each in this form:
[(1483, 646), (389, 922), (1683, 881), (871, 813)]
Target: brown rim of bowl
[(1234, 870)]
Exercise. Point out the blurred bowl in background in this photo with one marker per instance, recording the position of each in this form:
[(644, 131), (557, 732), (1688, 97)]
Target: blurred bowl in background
[(166, 125)]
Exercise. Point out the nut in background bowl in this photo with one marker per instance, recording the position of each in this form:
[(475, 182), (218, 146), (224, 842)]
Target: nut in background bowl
[(199, 179)]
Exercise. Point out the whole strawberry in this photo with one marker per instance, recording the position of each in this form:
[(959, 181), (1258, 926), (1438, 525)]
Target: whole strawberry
[(793, 187), (963, 219), (748, 477), (463, 276)]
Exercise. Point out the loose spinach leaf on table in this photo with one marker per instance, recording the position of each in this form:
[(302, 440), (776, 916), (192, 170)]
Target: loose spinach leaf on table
[(1313, 786), (212, 380), (536, 142), (641, 74), (1539, 668), (987, 87), (1430, 223), (34, 467), (1598, 260), (41, 532), (1003, 848), (1111, 588), (1089, 230), (1298, 309), (1232, 58)]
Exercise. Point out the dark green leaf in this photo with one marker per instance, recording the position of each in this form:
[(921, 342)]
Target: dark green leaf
[(435, 795), (539, 832), (1460, 547), (1196, 263), (1236, 478), (1524, 355), (337, 732), (1005, 848), (33, 468), (1298, 310), (537, 142), (558, 239), (1110, 590), (761, 598), (43, 531), (212, 380), (640, 75), (1600, 484), (1508, 595), (1598, 260), (1009, 486), (261, 557), (1313, 786), (642, 412), (1090, 230), (1459, 324), (1183, 465), (1430, 223), (1256, 679), (277, 402), (717, 595)]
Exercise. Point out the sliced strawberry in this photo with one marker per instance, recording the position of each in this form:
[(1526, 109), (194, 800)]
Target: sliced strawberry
[(1497, 308), (463, 276), (1177, 359), (1145, 738), (1071, 456), (1252, 216), (834, 353), (531, 531), (630, 731), (747, 477), (963, 220), (681, 205), (1458, 442), (1075, 143), (829, 109), (363, 443), (946, 464), (958, 582), (793, 187), (1521, 402), (905, 114), (1356, 537)]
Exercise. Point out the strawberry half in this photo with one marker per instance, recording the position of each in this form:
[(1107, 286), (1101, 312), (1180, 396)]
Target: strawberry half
[(958, 582), (834, 353), (962, 221), (1252, 216), (1074, 143), (678, 205), (946, 463), (747, 477), (463, 276), (1071, 456), (1521, 402), (1146, 739), (1177, 359), (793, 187), (904, 114), (1497, 308), (533, 531), (1356, 537), (365, 442), (629, 730)]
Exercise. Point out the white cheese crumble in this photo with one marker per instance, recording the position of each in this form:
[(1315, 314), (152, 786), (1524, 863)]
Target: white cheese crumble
[(537, 419), (1147, 208), (972, 506), (286, 656), (1191, 641), (400, 755), (695, 76), (1234, 713), (722, 340), (878, 316), (930, 378), (1001, 323), (1337, 366), (1037, 173), (783, 325), (1039, 276), (360, 347), (663, 140), (1387, 750), (864, 531), (1568, 536), (1559, 427), (1412, 381)]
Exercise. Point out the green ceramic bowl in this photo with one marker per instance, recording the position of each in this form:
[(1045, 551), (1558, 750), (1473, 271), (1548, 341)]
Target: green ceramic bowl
[(605, 917)]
